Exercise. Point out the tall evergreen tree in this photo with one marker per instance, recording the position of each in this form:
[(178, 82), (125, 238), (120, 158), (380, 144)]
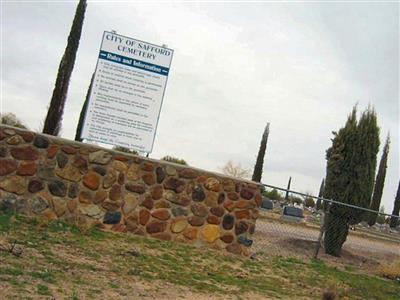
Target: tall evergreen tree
[(258, 168), (351, 164), (52, 123), (79, 127), (320, 194), (288, 188), (379, 184), (396, 209)]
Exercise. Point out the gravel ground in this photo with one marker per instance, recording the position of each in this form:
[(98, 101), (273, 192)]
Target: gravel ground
[(270, 236)]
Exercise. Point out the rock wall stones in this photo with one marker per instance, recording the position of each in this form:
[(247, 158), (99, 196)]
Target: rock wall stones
[(54, 178)]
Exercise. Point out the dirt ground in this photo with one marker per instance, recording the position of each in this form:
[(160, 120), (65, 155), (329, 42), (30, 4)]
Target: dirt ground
[(59, 261), (276, 238)]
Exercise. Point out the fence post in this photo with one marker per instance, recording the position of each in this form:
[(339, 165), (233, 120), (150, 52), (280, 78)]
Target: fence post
[(321, 232)]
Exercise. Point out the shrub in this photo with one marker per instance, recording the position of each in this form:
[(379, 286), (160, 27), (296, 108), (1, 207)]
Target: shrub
[(126, 150), (12, 120), (329, 295), (295, 200), (381, 218), (309, 202), (174, 160), (273, 195)]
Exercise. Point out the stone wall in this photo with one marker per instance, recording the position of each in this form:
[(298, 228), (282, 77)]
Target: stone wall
[(53, 178)]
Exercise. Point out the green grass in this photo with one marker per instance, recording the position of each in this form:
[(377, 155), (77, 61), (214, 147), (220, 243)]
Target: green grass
[(46, 276), (60, 259), (361, 284), (5, 222), (43, 290), (11, 271), (74, 296)]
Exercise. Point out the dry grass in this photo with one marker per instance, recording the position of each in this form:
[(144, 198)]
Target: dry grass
[(62, 262), (391, 271), (291, 239)]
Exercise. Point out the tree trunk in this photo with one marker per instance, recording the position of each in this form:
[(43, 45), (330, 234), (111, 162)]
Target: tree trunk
[(321, 234), (336, 231), (52, 123)]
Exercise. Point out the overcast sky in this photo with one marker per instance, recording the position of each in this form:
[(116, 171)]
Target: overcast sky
[(236, 66)]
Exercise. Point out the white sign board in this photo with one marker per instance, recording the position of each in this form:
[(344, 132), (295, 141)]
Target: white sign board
[(127, 92)]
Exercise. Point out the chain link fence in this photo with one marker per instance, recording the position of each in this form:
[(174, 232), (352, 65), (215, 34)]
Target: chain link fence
[(306, 226)]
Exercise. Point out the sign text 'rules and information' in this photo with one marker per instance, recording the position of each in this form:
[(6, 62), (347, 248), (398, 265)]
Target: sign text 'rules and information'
[(127, 92)]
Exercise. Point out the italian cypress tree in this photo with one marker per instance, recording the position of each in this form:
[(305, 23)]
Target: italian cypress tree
[(52, 123), (320, 194), (258, 168), (288, 188), (79, 127), (379, 184), (351, 164), (396, 209)]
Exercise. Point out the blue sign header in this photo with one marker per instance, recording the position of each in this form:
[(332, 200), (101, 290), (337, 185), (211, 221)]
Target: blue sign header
[(131, 62)]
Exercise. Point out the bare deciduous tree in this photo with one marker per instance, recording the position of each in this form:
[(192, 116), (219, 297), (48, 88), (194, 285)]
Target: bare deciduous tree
[(235, 170), (12, 120)]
